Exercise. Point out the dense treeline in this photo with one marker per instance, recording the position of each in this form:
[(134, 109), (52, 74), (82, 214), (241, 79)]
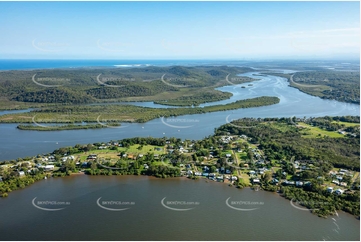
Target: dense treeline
[(54, 95), (322, 202), (199, 98), (130, 89), (63, 127), (12, 181), (343, 85)]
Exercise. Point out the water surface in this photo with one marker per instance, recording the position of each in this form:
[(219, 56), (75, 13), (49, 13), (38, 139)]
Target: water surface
[(147, 219)]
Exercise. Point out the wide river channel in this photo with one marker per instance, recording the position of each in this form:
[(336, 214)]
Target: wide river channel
[(16, 143)]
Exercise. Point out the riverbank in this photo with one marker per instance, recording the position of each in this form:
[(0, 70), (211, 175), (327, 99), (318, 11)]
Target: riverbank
[(38, 127)]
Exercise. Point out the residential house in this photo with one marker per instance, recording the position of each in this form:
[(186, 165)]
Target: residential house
[(49, 168), (329, 189), (344, 184), (339, 192)]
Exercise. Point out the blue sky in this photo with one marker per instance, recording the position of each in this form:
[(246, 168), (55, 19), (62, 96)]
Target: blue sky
[(179, 30)]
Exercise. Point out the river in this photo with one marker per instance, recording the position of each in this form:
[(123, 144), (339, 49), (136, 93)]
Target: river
[(205, 217), (16, 143)]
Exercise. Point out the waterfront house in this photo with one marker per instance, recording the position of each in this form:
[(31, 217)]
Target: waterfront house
[(256, 180), (219, 177), (197, 173), (234, 178), (21, 173)]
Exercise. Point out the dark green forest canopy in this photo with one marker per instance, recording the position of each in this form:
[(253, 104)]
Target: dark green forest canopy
[(85, 85)]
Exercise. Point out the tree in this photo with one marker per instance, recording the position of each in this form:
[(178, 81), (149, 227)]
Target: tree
[(213, 169), (250, 155), (267, 176)]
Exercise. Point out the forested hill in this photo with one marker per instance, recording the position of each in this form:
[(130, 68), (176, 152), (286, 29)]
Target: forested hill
[(84, 85)]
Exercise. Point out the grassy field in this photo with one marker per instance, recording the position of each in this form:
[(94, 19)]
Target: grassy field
[(245, 178), (114, 154), (346, 123), (145, 149), (314, 132)]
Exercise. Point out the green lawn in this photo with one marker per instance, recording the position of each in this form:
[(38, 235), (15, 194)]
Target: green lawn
[(346, 123), (113, 154), (133, 149), (313, 132), (243, 156)]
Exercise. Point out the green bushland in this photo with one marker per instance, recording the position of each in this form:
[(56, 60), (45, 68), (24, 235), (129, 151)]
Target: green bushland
[(82, 86), (122, 113), (197, 99), (285, 144)]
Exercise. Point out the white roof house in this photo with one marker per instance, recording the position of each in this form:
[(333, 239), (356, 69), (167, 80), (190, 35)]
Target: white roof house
[(339, 192), (49, 167)]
